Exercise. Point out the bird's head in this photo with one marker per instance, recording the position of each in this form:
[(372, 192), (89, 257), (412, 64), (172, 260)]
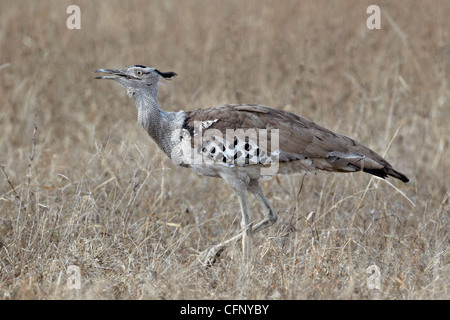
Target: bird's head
[(137, 78)]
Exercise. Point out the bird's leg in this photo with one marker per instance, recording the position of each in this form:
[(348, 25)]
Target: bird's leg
[(239, 184), (246, 225), (270, 215), (209, 257)]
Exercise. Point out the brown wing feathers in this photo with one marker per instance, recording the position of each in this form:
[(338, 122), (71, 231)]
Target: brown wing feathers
[(298, 136)]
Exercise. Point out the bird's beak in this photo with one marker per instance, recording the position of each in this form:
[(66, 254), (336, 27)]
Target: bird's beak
[(115, 74)]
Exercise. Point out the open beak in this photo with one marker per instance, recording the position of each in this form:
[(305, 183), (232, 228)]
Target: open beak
[(115, 74)]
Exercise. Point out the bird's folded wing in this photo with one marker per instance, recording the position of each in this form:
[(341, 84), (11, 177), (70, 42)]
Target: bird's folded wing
[(298, 137)]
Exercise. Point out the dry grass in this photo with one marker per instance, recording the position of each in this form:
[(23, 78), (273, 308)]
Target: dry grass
[(81, 184)]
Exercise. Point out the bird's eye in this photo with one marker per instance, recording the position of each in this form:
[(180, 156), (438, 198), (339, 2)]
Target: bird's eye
[(138, 73)]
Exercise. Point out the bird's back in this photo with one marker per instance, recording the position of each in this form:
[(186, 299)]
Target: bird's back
[(302, 144)]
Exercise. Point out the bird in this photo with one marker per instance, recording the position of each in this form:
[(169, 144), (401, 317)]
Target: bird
[(243, 144)]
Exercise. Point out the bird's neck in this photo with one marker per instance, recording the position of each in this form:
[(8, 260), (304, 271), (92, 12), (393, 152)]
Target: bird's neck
[(158, 123)]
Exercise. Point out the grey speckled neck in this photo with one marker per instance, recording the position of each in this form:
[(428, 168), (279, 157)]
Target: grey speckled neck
[(158, 123)]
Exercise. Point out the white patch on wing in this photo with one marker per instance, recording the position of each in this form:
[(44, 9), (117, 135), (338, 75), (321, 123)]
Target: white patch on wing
[(209, 123)]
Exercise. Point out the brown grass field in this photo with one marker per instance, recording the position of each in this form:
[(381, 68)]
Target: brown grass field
[(81, 184)]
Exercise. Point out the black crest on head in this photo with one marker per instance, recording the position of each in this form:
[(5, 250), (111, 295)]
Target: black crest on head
[(166, 75), (140, 66)]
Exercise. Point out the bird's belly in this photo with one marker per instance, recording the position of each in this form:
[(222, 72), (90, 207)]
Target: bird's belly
[(297, 166), (252, 171), (256, 171)]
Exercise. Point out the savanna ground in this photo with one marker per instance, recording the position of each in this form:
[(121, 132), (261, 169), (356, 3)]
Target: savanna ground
[(81, 184)]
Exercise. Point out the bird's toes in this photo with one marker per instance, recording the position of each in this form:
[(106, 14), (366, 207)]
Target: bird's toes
[(209, 257)]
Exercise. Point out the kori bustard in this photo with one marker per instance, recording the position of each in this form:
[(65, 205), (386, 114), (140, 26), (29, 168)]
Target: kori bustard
[(243, 143)]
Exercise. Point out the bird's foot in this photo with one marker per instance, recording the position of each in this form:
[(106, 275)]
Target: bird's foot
[(208, 257)]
